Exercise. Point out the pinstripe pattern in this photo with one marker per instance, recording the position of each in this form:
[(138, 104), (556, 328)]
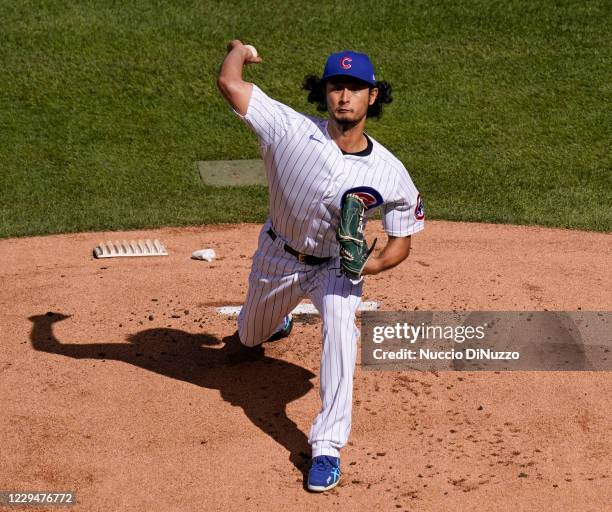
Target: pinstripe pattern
[(277, 283), (337, 298), (307, 176)]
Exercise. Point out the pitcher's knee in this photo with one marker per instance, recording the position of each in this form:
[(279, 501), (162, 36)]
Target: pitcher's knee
[(247, 338), (246, 334)]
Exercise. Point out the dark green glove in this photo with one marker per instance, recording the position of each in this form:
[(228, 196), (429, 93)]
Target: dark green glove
[(354, 252)]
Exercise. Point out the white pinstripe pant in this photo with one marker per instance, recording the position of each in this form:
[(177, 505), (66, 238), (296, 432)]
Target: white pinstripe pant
[(277, 283)]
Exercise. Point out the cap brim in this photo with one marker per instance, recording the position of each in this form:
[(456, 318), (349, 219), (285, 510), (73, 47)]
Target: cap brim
[(348, 77)]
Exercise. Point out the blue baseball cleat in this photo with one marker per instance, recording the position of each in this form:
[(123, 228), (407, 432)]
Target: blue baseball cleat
[(283, 331), (324, 473)]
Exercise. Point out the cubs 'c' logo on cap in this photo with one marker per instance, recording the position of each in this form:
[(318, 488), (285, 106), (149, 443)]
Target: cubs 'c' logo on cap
[(371, 197), (419, 210), (346, 62)]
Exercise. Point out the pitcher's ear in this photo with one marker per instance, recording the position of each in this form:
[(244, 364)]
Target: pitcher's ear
[(373, 95)]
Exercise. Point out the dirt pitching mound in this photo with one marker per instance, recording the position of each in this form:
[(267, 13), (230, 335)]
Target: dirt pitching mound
[(113, 381)]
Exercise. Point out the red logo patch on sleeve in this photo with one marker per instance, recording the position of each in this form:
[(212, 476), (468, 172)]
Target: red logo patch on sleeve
[(419, 210)]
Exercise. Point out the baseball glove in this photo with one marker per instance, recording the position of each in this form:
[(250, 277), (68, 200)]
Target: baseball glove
[(354, 252)]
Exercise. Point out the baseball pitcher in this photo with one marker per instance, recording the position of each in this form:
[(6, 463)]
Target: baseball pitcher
[(326, 177)]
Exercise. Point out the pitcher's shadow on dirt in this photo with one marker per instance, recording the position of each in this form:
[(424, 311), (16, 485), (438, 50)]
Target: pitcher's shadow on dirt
[(262, 388)]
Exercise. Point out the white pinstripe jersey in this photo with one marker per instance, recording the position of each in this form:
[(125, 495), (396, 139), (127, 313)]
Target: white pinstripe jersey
[(308, 173)]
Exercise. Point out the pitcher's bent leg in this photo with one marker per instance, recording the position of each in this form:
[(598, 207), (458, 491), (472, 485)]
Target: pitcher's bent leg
[(273, 292)]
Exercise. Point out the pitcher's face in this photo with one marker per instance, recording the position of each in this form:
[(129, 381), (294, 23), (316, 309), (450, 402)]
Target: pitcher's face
[(348, 99)]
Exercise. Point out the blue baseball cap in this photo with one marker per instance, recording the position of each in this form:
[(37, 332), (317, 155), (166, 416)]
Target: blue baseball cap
[(348, 63)]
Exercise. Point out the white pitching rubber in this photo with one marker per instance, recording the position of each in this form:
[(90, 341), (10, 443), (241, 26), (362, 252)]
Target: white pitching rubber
[(125, 248), (301, 309)]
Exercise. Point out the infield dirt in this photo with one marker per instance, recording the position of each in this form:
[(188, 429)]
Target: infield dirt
[(124, 396)]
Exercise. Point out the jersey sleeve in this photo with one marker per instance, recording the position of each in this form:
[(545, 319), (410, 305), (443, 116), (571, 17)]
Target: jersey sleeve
[(403, 214), (268, 118)]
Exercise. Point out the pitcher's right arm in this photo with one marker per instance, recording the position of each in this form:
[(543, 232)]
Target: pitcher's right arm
[(234, 89)]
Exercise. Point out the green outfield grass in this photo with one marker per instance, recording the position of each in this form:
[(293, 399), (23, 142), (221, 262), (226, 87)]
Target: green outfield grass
[(501, 112)]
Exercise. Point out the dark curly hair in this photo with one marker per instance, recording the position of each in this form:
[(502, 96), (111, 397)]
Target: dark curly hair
[(316, 94)]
